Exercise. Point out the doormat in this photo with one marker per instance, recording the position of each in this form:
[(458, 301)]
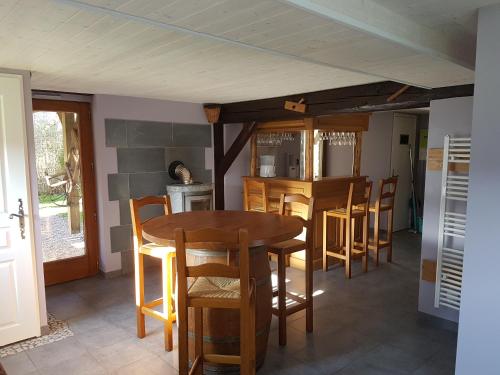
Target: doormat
[(58, 330)]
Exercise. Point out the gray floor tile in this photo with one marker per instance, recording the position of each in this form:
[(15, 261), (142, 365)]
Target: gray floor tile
[(120, 354), (19, 364), (150, 365), (52, 354), (82, 365)]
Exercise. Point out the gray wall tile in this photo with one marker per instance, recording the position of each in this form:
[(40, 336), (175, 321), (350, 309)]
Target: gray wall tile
[(147, 133), (121, 238), (201, 175), (143, 184), (116, 133), (192, 157), (141, 160), (118, 186), (125, 212), (192, 135)]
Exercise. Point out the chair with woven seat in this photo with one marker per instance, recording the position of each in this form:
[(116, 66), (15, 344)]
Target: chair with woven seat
[(255, 196), (167, 256), (215, 286), (358, 202), (384, 203), (303, 208)]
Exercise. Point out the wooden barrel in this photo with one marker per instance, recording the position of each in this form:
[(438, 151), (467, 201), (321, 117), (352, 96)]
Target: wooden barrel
[(221, 327)]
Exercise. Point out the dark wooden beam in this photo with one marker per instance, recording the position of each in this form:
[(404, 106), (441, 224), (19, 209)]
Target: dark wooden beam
[(362, 98), (218, 132), (222, 162), (238, 144)]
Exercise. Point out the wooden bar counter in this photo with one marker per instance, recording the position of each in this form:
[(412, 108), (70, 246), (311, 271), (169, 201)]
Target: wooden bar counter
[(328, 192)]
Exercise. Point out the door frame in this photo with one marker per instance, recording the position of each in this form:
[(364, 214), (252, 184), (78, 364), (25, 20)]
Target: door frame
[(86, 265)]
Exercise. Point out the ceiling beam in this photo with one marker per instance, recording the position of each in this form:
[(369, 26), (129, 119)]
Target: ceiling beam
[(375, 19), (362, 98)]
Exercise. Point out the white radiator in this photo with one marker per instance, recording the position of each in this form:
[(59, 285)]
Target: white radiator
[(452, 219)]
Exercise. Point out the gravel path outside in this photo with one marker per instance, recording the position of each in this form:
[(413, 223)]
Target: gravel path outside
[(57, 241)]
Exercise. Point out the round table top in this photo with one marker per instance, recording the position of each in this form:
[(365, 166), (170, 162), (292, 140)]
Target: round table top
[(263, 228)]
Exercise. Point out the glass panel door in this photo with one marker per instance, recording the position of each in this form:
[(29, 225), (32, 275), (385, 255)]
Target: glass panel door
[(57, 151), (66, 191)]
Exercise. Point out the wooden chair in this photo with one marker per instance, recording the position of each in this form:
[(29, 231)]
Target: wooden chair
[(290, 204), (384, 203), (358, 202), (215, 286), (167, 256), (255, 196)]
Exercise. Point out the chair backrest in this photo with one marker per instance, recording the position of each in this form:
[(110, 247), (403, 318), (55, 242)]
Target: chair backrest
[(359, 195), (255, 196), (301, 207), (213, 239), (387, 191), (135, 206)]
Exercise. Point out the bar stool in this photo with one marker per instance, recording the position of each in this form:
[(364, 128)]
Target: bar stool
[(215, 286), (255, 196), (357, 209), (384, 203), (304, 207), (167, 256)]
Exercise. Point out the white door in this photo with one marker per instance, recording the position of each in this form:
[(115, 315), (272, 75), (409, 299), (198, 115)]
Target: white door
[(403, 138), (19, 314)]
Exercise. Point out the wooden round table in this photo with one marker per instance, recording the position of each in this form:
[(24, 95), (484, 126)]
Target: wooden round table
[(221, 326)]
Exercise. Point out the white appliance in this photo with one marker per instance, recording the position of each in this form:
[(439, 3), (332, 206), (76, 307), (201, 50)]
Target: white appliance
[(267, 166)]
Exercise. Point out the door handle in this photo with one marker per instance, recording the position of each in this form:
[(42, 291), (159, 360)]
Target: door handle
[(20, 216)]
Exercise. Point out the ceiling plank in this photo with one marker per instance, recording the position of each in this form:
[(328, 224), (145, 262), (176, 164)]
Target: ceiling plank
[(379, 21), (362, 98)]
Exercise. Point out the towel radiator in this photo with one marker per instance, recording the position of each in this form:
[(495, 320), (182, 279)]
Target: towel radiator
[(452, 219)]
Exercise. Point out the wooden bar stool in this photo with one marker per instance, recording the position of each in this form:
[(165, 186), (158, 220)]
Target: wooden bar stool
[(302, 207), (384, 203), (167, 256), (358, 202), (255, 196), (215, 286)]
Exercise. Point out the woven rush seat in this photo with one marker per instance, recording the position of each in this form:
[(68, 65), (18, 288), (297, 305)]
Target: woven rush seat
[(215, 287), (343, 211)]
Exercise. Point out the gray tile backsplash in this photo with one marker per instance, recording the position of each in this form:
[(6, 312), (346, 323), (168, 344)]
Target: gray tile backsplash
[(136, 160), (118, 186), (147, 133), (121, 238), (194, 157), (192, 135), (144, 151), (116, 133), (144, 184)]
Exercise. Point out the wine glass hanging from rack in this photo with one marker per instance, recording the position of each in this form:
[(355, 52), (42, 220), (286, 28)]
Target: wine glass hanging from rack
[(338, 138), (274, 139)]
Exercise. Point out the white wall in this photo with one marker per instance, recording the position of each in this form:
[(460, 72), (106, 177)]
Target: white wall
[(376, 149), (128, 108), (453, 117), (479, 327)]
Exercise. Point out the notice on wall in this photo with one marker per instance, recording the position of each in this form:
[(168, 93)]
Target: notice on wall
[(422, 154)]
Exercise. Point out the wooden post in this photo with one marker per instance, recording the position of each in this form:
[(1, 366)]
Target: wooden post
[(356, 166), (309, 144), (71, 141), (253, 156), (218, 129)]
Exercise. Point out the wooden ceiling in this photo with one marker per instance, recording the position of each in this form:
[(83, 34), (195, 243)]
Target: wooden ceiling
[(222, 50)]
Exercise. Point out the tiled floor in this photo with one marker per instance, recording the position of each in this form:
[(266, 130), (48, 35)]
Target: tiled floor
[(366, 325)]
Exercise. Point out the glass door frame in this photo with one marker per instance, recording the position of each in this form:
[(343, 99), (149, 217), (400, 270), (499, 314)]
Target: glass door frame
[(63, 270)]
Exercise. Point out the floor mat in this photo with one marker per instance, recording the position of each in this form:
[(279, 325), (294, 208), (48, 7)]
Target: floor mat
[(58, 330)]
